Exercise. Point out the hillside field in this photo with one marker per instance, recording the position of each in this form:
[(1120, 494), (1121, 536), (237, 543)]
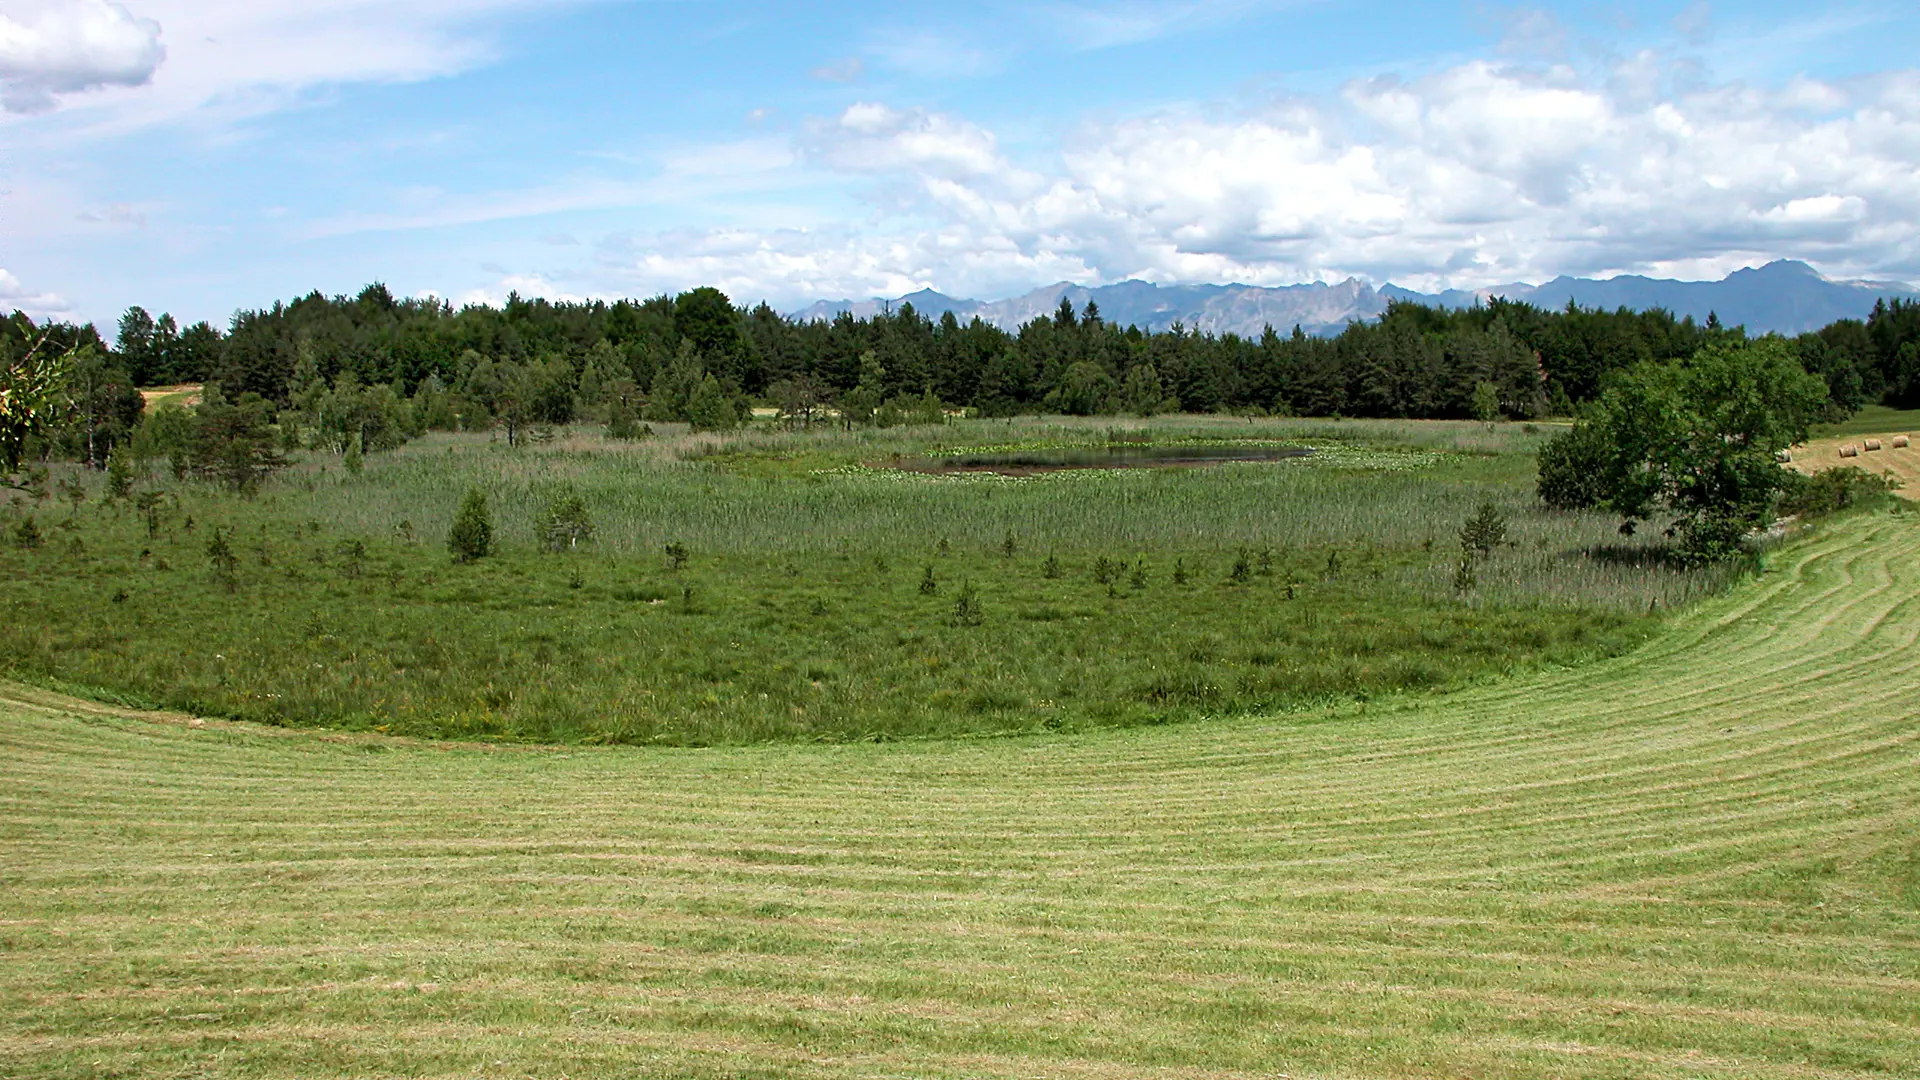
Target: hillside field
[(1699, 860)]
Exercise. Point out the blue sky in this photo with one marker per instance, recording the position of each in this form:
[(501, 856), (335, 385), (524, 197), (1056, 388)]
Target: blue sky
[(198, 156)]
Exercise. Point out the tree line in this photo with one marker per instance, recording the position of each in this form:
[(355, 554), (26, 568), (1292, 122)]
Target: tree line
[(374, 370)]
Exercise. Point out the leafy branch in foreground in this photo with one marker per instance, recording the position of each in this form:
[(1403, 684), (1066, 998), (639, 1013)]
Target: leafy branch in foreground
[(32, 390)]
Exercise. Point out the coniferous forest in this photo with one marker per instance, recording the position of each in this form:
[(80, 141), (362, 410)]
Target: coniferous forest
[(385, 368)]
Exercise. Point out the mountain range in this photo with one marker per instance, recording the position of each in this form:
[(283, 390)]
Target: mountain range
[(1784, 296)]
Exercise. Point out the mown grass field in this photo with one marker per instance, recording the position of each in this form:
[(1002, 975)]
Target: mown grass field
[(1700, 860), (800, 611)]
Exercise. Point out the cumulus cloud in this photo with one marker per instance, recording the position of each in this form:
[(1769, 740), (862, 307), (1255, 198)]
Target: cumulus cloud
[(67, 46), (1479, 174), (228, 59), (15, 296)]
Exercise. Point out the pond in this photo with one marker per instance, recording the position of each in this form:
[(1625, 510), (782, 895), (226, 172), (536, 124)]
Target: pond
[(1030, 462)]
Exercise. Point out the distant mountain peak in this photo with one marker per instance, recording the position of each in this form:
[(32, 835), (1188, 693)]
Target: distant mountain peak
[(1784, 296)]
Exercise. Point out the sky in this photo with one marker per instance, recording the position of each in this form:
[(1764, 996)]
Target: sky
[(203, 156)]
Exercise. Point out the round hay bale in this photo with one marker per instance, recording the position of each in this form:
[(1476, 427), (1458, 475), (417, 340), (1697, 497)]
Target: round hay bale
[(1849, 451), (1899, 442), (1873, 444), (1783, 456)]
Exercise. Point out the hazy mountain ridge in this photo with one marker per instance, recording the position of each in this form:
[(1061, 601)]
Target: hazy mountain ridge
[(1784, 296)]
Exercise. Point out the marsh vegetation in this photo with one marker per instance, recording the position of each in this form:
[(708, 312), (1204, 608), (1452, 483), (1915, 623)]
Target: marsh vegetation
[(769, 584)]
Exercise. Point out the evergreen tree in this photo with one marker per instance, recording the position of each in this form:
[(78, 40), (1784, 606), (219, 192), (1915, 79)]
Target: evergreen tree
[(472, 534)]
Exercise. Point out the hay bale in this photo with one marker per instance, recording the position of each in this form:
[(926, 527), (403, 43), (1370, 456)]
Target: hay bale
[(1849, 451), (1783, 456), (1873, 444), (1899, 442)]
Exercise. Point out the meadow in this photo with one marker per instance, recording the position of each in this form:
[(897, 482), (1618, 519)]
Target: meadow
[(1698, 861), (822, 595)]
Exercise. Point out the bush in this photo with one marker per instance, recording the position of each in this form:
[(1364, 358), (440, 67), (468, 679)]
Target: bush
[(709, 408), (1572, 469), (966, 606), (472, 534), (1484, 531), (1830, 491), (565, 522)]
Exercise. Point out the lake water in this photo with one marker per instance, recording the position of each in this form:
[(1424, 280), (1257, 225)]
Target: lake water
[(1029, 462)]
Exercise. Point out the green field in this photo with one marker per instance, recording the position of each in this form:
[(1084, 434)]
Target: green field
[(1872, 420), (803, 612), (1701, 860)]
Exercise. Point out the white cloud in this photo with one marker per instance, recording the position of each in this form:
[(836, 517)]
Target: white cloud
[(227, 59), (872, 138), (15, 296), (67, 46), (527, 286), (1475, 175)]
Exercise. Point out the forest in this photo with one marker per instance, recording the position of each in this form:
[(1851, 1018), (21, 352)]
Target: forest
[(376, 370)]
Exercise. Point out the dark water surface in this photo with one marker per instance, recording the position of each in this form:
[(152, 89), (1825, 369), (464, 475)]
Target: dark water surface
[(1029, 462)]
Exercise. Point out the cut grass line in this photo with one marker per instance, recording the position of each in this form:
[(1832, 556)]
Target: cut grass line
[(1697, 860)]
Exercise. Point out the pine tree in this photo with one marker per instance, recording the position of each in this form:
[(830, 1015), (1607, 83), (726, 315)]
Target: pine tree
[(472, 534)]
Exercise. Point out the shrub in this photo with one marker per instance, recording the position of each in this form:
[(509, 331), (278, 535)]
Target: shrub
[(353, 557), (624, 423), (226, 564), (472, 534), (676, 555), (28, 534), (966, 606), (1242, 567), (565, 522), (1051, 568), (119, 472), (928, 586), (1484, 531), (709, 408), (1830, 491), (1573, 468)]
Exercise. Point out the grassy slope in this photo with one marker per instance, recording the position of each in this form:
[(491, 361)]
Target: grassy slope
[(1697, 861), (1873, 420)]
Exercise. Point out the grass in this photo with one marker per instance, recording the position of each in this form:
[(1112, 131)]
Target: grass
[(799, 614), (1872, 420), (1698, 861)]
